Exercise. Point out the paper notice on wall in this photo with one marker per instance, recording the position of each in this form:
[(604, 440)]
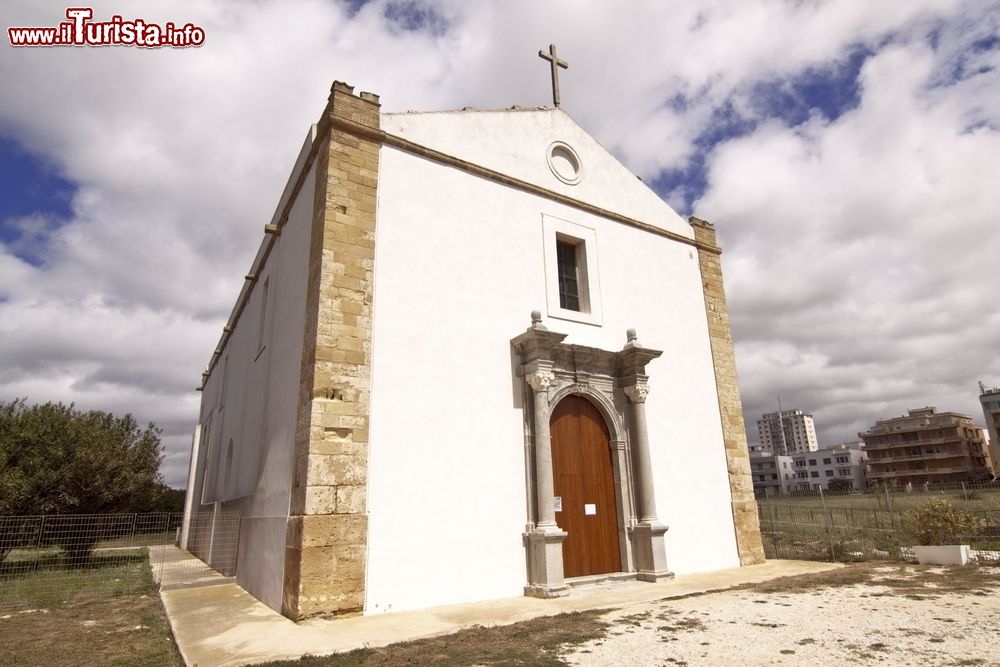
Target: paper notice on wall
[(557, 503), (590, 509)]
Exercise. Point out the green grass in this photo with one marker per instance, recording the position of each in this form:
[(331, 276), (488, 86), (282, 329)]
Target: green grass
[(107, 613), (46, 578), (848, 527)]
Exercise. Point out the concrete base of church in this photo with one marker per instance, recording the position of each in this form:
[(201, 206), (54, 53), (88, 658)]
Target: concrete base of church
[(649, 547), (545, 563)]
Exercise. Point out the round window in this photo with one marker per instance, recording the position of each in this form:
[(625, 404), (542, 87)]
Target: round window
[(564, 163)]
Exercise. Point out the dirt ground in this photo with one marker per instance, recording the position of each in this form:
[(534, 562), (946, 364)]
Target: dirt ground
[(880, 613), (118, 631), (889, 614)]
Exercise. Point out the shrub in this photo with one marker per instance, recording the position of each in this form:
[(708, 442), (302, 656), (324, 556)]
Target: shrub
[(939, 522)]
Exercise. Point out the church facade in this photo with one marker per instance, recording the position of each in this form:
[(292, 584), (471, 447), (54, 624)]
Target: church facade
[(474, 358)]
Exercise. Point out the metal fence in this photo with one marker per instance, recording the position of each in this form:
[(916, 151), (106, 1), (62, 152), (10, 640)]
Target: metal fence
[(64, 559), (857, 526)]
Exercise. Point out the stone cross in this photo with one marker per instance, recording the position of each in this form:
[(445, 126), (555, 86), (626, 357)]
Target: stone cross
[(555, 63)]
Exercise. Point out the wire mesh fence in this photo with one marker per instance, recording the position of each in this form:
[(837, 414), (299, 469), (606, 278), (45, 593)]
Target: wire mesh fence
[(872, 525), (53, 560)]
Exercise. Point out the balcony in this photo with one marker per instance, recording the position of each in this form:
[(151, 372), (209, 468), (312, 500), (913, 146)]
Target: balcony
[(915, 442), (922, 472), (916, 457)]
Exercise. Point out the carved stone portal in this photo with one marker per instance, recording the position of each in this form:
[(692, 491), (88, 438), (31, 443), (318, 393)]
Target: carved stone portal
[(616, 383)]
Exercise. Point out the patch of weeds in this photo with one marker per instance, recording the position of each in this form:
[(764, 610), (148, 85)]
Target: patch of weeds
[(688, 624), (535, 642), (635, 619), (787, 651), (768, 625), (879, 646), (936, 640), (806, 641), (901, 579)]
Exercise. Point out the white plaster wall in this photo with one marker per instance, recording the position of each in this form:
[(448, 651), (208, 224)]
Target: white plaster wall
[(459, 267), (515, 143), (259, 411)]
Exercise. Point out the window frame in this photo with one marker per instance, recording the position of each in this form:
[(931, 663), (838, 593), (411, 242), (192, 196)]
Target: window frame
[(584, 239)]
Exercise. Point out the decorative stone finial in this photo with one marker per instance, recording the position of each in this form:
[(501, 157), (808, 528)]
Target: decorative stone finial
[(630, 334), (536, 321)]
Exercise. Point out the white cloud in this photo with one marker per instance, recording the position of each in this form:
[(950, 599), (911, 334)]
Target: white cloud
[(859, 247)]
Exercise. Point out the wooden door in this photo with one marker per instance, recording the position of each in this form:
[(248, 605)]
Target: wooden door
[(584, 481)]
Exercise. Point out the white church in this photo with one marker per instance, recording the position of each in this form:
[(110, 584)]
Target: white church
[(474, 358)]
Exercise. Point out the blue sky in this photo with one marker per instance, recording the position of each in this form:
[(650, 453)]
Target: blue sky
[(846, 150)]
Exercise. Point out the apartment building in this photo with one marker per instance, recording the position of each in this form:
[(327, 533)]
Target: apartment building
[(926, 446), (815, 470), (771, 473), (786, 432), (989, 398)]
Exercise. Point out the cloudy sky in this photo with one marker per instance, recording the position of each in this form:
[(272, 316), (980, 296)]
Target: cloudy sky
[(848, 152)]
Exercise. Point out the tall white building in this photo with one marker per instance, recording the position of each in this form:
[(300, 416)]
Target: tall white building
[(787, 432)]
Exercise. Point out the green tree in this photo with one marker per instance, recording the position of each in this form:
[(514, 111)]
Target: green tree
[(840, 485), (55, 459)]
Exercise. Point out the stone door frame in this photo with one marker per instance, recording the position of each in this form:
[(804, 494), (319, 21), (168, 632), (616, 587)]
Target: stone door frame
[(616, 383)]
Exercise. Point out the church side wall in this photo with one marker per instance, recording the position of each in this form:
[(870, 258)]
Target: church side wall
[(459, 266), (251, 398)]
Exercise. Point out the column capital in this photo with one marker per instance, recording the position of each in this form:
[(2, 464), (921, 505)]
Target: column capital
[(637, 392), (540, 379)]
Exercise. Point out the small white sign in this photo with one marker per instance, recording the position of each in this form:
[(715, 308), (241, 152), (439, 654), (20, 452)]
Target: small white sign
[(558, 503), (590, 509)]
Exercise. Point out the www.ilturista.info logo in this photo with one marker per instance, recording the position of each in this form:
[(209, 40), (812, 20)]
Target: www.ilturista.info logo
[(79, 30)]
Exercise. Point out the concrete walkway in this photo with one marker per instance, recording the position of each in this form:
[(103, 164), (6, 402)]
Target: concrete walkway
[(215, 622)]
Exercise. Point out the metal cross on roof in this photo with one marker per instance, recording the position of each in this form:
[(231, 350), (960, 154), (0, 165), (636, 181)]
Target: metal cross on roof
[(555, 63)]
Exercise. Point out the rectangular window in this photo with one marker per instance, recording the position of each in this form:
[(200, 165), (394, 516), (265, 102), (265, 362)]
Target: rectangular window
[(569, 277), (814, 473), (826, 462), (829, 473), (572, 287)]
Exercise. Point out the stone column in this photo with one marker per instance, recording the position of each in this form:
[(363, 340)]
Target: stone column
[(644, 471), (648, 540), (540, 381), (545, 577), (544, 542)]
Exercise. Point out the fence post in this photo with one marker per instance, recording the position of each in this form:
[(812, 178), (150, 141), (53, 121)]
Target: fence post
[(827, 521), (965, 492), (893, 522)]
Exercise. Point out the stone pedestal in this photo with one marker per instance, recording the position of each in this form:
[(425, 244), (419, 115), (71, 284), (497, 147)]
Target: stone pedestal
[(649, 547), (545, 565)]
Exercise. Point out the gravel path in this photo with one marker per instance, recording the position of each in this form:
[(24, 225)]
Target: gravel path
[(900, 616)]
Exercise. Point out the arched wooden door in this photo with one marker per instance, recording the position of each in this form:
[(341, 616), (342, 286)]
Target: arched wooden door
[(584, 481)]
